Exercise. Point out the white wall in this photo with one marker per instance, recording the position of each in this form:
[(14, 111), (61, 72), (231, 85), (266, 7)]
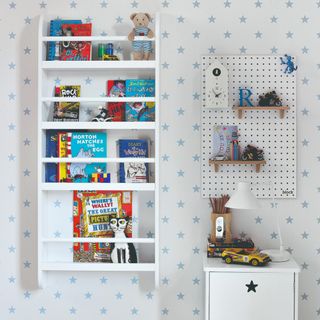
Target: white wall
[(189, 29)]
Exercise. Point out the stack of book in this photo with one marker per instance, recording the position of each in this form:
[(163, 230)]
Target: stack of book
[(69, 50)]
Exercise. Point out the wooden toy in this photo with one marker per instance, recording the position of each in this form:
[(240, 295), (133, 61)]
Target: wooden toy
[(100, 177)]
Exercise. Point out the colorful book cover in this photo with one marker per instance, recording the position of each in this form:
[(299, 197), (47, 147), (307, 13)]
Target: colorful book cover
[(53, 47), (140, 111), (99, 220), (76, 50), (62, 153), (66, 111), (133, 172), (140, 88), (87, 145), (221, 139), (116, 88), (116, 110)]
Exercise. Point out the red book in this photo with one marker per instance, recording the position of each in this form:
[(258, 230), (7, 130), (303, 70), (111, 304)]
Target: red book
[(116, 88), (76, 50)]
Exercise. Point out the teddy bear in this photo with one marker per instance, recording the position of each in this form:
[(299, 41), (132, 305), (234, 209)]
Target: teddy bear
[(141, 49)]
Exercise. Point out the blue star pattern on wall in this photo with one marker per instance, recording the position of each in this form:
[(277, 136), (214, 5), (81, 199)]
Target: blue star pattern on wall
[(189, 29)]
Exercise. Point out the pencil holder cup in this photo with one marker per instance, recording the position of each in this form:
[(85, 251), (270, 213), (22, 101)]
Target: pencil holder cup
[(220, 227)]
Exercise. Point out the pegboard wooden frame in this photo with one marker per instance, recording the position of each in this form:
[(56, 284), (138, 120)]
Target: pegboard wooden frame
[(262, 128)]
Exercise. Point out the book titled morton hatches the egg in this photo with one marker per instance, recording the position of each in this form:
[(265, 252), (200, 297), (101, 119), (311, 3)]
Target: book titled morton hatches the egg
[(87, 145), (133, 172)]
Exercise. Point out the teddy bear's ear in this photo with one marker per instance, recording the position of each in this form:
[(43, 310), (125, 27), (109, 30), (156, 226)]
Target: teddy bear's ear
[(148, 16), (133, 15)]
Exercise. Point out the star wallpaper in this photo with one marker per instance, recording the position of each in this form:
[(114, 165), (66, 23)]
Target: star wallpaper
[(189, 29)]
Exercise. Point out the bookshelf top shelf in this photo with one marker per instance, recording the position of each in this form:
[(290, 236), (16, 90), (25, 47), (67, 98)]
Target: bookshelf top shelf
[(98, 65), (95, 38)]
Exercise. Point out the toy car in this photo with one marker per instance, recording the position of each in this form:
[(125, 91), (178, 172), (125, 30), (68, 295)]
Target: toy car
[(214, 250), (253, 258)]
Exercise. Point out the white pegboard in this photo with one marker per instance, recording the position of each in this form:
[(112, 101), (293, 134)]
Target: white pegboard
[(264, 129)]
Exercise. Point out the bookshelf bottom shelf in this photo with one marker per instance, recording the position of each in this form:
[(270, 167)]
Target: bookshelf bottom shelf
[(78, 266)]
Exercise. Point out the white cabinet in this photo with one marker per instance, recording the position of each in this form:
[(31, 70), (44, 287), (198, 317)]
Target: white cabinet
[(250, 293)]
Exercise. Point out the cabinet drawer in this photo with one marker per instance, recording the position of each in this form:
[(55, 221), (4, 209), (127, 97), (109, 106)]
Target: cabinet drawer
[(251, 296)]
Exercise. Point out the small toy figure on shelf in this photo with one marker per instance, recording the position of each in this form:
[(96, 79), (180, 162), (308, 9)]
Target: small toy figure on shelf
[(141, 49), (252, 153), (122, 252), (241, 256), (290, 67), (269, 99), (103, 116)]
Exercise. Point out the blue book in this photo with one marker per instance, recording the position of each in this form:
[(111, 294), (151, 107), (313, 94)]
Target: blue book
[(133, 172), (140, 111), (53, 49), (51, 151), (140, 88), (87, 145)]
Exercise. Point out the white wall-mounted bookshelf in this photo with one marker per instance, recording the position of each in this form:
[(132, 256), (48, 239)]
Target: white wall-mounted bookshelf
[(54, 254)]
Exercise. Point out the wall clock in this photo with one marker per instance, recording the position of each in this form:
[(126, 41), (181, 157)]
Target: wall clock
[(217, 85)]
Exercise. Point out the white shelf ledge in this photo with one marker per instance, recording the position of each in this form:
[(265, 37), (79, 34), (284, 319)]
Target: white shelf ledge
[(94, 38), (60, 186), (87, 266), (121, 125), (99, 99), (97, 160), (98, 240), (98, 65)]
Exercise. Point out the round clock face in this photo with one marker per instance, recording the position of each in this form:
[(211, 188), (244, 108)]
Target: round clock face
[(216, 96)]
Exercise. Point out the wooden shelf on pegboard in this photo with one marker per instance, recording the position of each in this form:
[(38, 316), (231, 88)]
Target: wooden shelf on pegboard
[(281, 110), (217, 163)]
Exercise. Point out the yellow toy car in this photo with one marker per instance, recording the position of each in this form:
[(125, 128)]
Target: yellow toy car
[(253, 258)]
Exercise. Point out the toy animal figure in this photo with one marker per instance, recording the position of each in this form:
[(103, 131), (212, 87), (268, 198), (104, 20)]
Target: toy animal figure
[(122, 252), (252, 153), (103, 116), (290, 67), (141, 49), (269, 99)]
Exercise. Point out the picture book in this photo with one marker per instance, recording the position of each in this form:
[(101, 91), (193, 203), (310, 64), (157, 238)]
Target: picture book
[(116, 110), (51, 151), (53, 47), (221, 139), (140, 88), (140, 111), (51, 143), (116, 88), (66, 111), (62, 153), (92, 211), (87, 145), (132, 172), (76, 50)]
